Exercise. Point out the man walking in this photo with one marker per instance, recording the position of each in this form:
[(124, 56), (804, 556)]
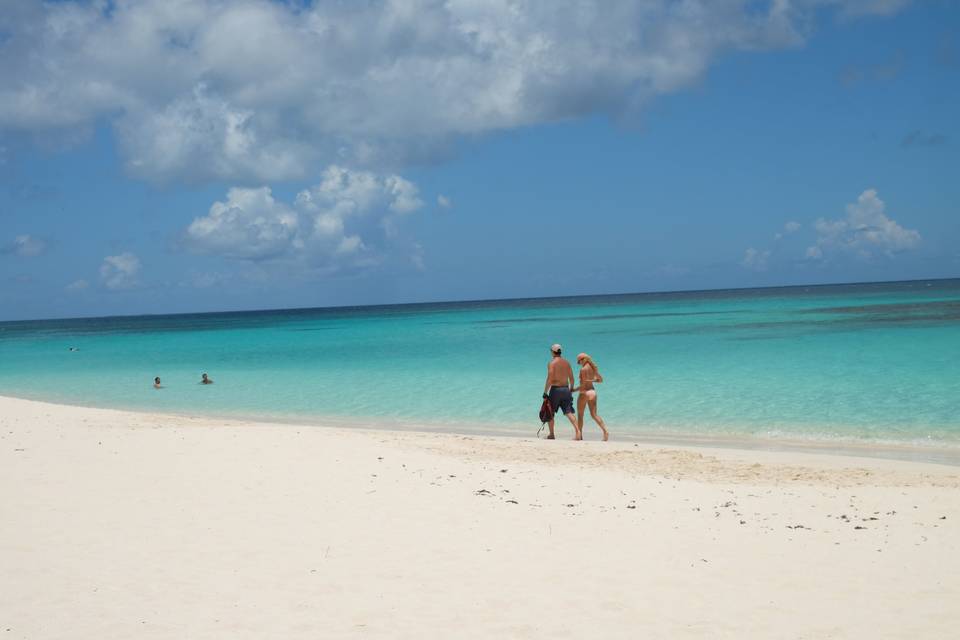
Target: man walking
[(557, 389)]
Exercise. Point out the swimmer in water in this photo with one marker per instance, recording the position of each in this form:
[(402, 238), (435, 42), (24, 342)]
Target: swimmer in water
[(156, 383), (205, 380)]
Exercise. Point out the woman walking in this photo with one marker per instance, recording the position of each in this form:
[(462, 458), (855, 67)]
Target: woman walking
[(589, 376)]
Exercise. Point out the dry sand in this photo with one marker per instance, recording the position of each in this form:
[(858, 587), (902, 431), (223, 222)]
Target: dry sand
[(125, 525)]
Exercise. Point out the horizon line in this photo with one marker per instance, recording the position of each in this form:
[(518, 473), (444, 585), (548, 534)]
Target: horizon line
[(480, 300)]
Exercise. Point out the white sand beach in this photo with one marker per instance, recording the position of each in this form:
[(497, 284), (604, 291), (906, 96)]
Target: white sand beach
[(130, 525)]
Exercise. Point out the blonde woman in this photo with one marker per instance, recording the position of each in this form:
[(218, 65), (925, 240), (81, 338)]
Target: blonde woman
[(589, 376)]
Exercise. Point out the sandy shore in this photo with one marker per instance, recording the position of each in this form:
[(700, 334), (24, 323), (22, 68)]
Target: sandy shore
[(126, 525)]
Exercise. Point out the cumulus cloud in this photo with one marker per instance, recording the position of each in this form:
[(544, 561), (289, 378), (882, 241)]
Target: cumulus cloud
[(25, 246), (250, 224), (206, 131), (327, 223), (120, 271), (259, 90), (755, 259), (405, 197), (864, 231)]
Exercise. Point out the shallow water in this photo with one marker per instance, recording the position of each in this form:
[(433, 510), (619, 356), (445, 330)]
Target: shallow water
[(871, 362)]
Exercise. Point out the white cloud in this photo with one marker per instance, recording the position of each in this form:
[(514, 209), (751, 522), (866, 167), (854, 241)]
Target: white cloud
[(444, 202), (250, 224), (204, 131), (262, 90), (77, 285), (405, 195), (864, 231), (25, 246), (330, 222), (755, 259), (345, 192), (120, 271)]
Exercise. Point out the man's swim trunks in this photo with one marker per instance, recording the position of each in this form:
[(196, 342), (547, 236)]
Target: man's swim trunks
[(560, 397)]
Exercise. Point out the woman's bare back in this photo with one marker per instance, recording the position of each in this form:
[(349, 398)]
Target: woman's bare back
[(588, 376)]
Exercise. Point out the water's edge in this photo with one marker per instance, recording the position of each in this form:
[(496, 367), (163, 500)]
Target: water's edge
[(934, 452)]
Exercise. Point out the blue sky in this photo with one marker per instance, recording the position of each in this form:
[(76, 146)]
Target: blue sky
[(175, 157)]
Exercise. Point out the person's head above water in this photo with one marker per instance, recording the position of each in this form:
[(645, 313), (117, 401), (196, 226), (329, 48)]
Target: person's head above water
[(157, 379), (204, 376), (555, 349)]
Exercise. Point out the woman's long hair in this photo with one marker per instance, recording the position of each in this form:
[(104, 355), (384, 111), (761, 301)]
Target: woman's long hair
[(593, 365)]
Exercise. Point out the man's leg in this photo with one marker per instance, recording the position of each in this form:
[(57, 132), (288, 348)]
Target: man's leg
[(551, 436)]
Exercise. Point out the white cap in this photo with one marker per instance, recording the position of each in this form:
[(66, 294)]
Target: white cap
[(555, 347)]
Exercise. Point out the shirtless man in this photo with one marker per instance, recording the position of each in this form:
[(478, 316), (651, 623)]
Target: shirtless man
[(557, 389)]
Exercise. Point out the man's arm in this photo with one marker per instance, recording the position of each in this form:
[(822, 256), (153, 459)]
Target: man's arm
[(546, 384), (570, 376)]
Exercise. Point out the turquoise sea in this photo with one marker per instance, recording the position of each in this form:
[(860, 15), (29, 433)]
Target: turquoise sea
[(851, 363)]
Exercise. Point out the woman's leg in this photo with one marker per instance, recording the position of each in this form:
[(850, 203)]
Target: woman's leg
[(592, 399), (581, 405)]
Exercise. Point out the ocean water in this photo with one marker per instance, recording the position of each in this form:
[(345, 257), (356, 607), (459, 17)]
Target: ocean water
[(853, 363)]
